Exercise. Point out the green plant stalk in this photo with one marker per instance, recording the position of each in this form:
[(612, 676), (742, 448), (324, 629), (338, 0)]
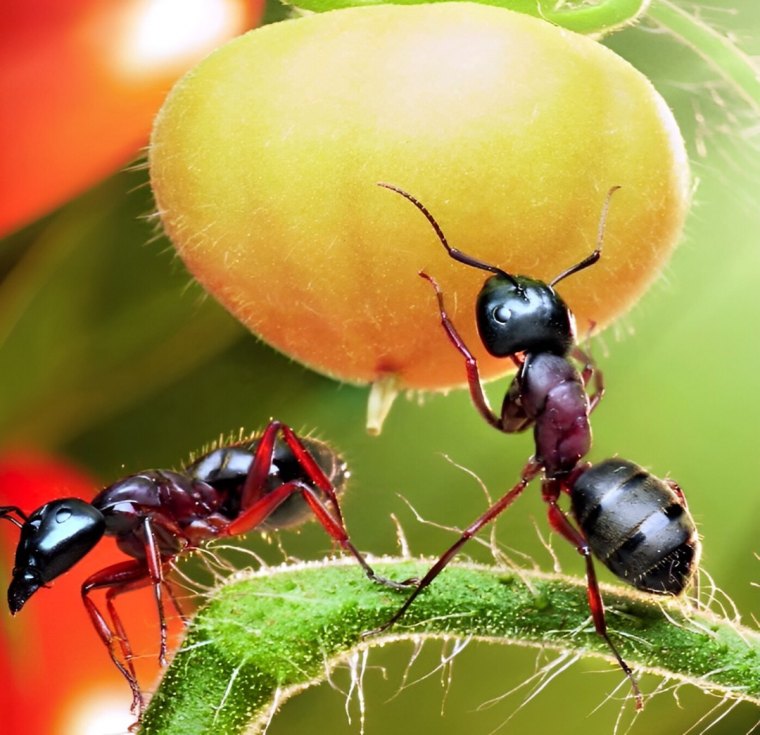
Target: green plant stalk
[(601, 17), (717, 49), (271, 633)]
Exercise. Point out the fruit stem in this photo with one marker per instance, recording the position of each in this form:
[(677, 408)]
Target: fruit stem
[(382, 395)]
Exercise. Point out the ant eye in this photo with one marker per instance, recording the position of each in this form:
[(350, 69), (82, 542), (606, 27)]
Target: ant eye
[(502, 314), (62, 515)]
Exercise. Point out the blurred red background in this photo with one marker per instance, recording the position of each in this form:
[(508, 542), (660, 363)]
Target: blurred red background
[(80, 82)]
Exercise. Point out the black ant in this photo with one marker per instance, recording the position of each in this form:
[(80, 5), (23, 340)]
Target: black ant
[(262, 482), (636, 524)]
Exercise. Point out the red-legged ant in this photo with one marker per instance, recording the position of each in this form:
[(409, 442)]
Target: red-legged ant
[(636, 524), (273, 480)]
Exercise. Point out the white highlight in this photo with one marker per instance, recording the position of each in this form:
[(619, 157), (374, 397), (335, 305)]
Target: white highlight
[(165, 33), (99, 713)]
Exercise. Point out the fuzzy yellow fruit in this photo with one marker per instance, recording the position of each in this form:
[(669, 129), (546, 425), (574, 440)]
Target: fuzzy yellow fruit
[(265, 158)]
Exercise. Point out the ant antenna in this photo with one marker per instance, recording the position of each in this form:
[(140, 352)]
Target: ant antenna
[(590, 259), (456, 254), (5, 513)]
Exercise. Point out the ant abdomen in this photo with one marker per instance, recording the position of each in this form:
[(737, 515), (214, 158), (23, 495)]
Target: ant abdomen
[(287, 468), (637, 524), (227, 467)]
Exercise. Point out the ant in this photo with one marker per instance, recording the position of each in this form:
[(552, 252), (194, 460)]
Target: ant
[(271, 480), (635, 523)]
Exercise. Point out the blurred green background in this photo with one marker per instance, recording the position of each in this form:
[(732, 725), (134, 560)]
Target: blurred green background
[(111, 356)]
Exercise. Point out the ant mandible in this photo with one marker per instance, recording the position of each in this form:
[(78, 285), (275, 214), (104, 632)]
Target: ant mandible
[(635, 523), (272, 480)]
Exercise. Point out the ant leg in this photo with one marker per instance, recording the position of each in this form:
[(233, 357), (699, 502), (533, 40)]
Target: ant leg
[(590, 373), (529, 472), (118, 577), (335, 527), (559, 522), (589, 260), (471, 363), (313, 470), (266, 505), (121, 633), (514, 419), (184, 617), (261, 509), (338, 532), (262, 462), (143, 581), (156, 575)]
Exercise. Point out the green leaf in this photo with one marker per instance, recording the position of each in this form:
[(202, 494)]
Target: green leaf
[(273, 633), (598, 18)]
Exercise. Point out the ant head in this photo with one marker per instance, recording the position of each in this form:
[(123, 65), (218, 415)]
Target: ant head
[(519, 314), (53, 539)]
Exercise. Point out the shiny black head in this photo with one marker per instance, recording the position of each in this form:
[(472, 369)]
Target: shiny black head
[(53, 539), (519, 314)]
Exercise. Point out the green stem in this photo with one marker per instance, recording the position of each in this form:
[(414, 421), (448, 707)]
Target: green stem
[(715, 48), (270, 634), (601, 17)]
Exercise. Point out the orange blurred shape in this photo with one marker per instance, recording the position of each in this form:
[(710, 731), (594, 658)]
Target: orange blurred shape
[(57, 677), (80, 82)]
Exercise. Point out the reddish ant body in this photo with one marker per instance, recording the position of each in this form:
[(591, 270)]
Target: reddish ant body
[(156, 515), (636, 524)]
